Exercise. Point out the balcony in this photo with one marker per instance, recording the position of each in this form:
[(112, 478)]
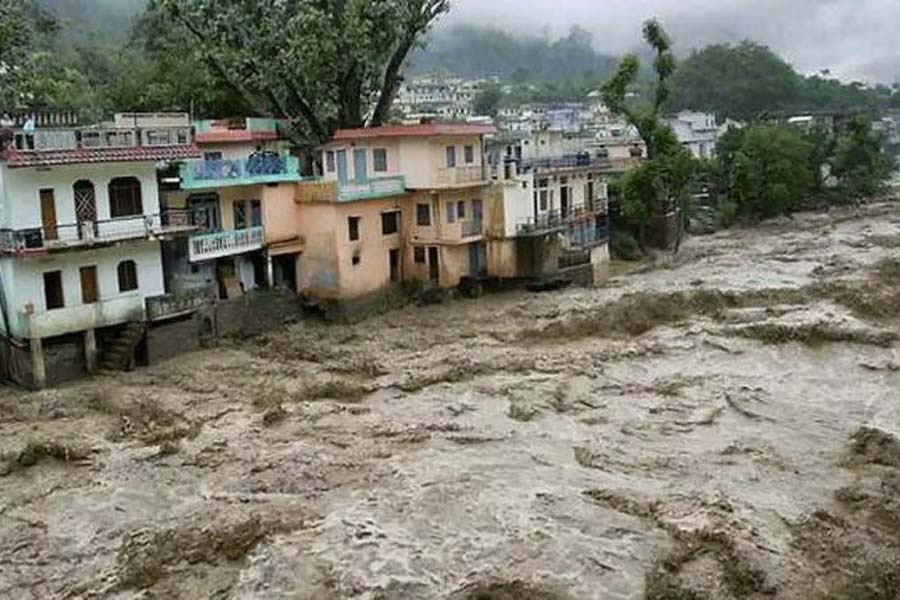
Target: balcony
[(558, 220), (180, 303), (226, 243), (381, 187), (461, 176), (78, 236), (256, 170), (458, 232), (572, 161), (61, 321)]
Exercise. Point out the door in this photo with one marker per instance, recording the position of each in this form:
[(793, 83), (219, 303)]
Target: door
[(85, 208), (394, 261), (477, 212), (434, 267), (564, 202), (89, 292), (48, 215), (341, 159), (360, 168), (205, 211), (477, 259)]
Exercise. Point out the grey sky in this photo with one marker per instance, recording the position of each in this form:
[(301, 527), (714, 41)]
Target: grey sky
[(856, 39)]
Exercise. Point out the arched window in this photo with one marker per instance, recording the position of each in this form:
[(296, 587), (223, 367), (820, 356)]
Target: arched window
[(128, 281), (125, 197)]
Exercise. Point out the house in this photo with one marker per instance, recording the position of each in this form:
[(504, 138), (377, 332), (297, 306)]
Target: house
[(696, 131), (394, 204), (225, 191), (549, 209), (81, 229)]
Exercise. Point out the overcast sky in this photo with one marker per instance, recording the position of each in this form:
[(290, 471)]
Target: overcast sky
[(855, 39)]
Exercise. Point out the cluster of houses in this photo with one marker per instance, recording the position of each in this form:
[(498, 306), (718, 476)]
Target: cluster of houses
[(113, 235)]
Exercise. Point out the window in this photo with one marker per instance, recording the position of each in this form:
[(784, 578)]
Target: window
[(419, 255), (423, 215), (390, 223), (469, 152), (461, 209), (89, 292), (125, 197), (53, 290), (450, 209), (212, 156), (255, 213), (451, 157), (329, 161), (240, 214), (544, 197), (379, 158), (127, 272), (356, 259), (353, 226)]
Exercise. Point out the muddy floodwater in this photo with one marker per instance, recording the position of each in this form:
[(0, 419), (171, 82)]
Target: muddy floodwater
[(721, 425)]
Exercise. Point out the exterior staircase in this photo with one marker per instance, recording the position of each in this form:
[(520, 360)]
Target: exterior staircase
[(119, 355)]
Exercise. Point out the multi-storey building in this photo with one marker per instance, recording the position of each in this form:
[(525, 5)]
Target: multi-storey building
[(80, 234), (394, 204), (697, 132), (225, 192)]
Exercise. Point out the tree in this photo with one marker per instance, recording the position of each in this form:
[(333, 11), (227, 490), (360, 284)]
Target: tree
[(859, 162), (320, 64), (767, 170), (662, 181), (22, 25), (487, 100)]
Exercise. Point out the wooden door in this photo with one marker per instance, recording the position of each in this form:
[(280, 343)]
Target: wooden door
[(89, 292), (48, 215)]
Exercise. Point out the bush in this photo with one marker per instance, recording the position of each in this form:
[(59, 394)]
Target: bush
[(624, 246)]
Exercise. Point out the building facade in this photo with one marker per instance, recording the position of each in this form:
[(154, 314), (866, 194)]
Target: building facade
[(81, 229)]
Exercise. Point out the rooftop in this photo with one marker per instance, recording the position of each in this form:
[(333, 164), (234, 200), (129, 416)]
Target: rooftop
[(401, 131)]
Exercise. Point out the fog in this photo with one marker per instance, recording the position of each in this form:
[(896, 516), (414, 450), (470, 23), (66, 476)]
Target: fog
[(854, 39)]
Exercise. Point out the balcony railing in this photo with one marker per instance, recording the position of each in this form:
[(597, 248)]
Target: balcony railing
[(48, 139), (559, 219), (257, 169), (380, 187), (471, 228), (462, 175), (226, 243), (180, 303), (572, 161), (91, 233)]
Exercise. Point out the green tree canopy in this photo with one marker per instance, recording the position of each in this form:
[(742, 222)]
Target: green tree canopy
[(487, 100), (859, 161), (319, 64)]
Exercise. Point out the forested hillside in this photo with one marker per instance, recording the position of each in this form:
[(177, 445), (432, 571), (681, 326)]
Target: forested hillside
[(80, 17)]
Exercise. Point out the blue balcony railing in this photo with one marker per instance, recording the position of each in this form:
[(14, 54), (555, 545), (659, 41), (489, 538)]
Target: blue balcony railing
[(258, 169)]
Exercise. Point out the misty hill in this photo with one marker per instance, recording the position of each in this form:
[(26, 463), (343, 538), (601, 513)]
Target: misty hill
[(471, 51), (80, 17)]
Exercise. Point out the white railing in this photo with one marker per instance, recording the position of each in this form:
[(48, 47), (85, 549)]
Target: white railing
[(374, 188), (226, 243), (471, 228), (461, 175)]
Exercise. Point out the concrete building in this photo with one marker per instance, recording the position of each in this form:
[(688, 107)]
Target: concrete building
[(80, 234), (394, 204), (697, 132), (225, 193)]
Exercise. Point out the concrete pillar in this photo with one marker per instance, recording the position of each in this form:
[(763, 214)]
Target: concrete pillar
[(38, 368), (270, 272), (90, 350)]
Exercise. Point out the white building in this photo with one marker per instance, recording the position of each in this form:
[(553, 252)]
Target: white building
[(696, 131), (80, 232)]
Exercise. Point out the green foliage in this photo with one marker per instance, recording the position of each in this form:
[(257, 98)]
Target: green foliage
[(859, 162), (623, 246), (767, 170), (23, 29), (663, 181), (487, 101), (320, 65), (748, 80)]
